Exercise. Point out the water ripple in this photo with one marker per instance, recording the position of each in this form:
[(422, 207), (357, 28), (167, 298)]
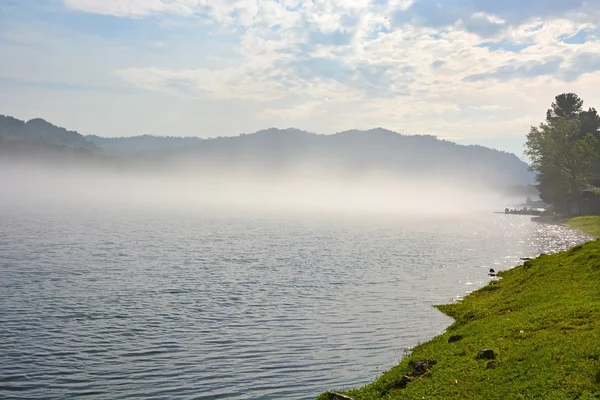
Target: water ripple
[(121, 306)]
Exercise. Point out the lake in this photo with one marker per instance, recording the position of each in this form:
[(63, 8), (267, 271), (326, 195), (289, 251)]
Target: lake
[(125, 303)]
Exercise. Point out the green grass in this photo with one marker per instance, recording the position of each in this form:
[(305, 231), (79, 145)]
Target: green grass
[(542, 321), (589, 225)]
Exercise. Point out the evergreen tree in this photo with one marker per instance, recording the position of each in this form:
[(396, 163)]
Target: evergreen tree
[(565, 150)]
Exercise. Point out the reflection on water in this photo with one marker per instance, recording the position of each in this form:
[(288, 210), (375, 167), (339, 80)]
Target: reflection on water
[(127, 305)]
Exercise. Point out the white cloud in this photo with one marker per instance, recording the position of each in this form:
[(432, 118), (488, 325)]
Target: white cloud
[(294, 113), (374, 63), (490, 107), (490, 18), (119, 8), (401, 5)]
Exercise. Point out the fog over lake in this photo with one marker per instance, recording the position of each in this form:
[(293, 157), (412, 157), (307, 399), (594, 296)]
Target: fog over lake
[(209, 285), (266, 199)]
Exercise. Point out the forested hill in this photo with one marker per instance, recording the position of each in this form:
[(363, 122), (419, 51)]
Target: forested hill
[(38, 132), (357, 152), (351, 152), (142, 144)]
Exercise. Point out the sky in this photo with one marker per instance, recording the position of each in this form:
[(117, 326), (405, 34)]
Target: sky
[(470, 71)]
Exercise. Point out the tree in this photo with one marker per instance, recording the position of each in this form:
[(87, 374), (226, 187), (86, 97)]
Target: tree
[(562, 158), (589, 123), (570, 106), (565, 150), (552, 186), (566, 105)]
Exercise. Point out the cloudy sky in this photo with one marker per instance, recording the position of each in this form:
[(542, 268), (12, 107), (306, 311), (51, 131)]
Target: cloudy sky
[(473, 71)]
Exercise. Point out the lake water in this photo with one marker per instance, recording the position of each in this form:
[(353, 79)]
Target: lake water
[(138, 304)]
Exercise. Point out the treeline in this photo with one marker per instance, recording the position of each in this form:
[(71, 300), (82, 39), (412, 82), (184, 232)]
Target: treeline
[(350, 155), (39, 132), (565, 151)]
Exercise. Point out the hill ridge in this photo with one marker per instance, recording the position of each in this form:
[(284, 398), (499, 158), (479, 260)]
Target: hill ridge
[(351, 153)]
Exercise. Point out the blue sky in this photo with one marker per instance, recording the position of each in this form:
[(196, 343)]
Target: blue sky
[(472, 71)]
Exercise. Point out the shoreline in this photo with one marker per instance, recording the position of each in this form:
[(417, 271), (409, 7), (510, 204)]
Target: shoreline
[(531, 335)]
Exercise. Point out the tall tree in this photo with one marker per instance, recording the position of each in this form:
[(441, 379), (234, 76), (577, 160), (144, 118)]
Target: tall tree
[(589, 123), (552, 185), (566, 105), (562, 158)]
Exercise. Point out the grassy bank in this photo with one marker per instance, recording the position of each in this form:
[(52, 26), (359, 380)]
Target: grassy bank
[(541, 320), (589, 225)]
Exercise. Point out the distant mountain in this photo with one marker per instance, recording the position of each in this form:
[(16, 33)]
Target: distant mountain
[(360, 153), (38, 132), (349, 154), (142, 144)]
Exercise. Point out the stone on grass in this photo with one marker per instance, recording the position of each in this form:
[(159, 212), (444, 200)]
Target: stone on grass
[(454, 338), (486, 354), (420, 367)]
